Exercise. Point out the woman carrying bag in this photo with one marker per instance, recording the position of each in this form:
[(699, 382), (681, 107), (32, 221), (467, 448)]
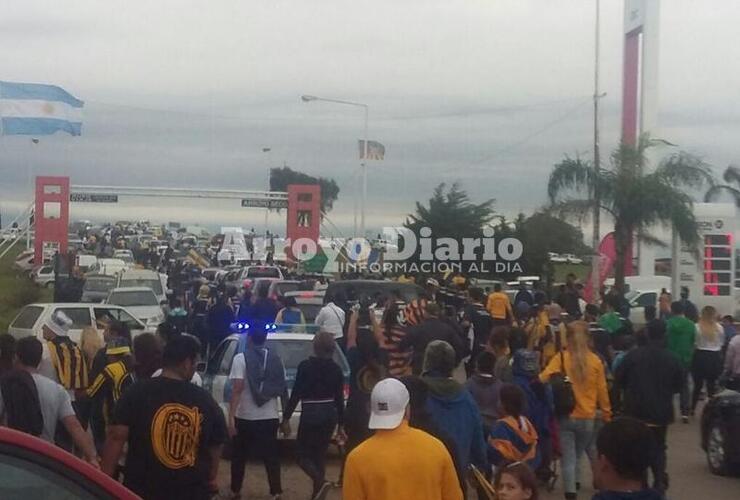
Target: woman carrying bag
[(576, 373)]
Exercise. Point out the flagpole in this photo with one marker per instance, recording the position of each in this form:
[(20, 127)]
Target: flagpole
[(363, 167), (363, 173)]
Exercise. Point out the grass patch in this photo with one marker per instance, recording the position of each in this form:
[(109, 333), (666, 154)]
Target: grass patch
[(17, 290)]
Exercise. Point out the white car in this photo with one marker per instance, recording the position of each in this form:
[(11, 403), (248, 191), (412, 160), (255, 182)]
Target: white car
[(24, 261), (555, 257), (292, 349), (139, 301), (309, 302), (157, 282), (43, 276), (32, 317), (639, 300), (125, 255), (572, 259), (110, 267)]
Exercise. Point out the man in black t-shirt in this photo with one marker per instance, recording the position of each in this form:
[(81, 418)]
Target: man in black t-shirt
[(476, 316), (174, 430)]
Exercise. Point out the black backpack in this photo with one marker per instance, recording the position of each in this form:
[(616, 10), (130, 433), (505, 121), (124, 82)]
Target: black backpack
[(22, 405), (562, 391)]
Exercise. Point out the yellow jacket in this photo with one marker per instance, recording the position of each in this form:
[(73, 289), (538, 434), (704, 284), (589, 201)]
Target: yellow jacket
[(589, 392), (402, 463), (499, 306)]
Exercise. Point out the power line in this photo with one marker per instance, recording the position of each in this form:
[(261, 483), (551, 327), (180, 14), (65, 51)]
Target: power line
[(531, 136)]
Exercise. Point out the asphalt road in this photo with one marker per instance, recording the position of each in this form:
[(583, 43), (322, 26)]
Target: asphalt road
[(690, 478)]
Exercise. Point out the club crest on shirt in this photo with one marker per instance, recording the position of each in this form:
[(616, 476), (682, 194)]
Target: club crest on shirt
[(175, 435)]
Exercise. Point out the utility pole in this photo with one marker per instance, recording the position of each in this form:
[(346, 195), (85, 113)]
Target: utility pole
[(595, 272)]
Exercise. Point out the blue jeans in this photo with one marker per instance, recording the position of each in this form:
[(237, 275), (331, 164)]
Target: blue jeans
[(576, 438)]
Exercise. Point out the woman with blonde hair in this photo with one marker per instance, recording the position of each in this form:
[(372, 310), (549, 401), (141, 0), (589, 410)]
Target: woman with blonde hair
[(90, 343), (586, 373), (706, 365)]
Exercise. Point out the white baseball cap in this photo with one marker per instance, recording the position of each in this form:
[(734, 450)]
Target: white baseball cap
[(388, 403)]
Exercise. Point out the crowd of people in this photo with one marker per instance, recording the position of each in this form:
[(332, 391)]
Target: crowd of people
[(452, 395)]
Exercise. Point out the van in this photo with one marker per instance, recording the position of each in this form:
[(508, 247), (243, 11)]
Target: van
[(85, 262)]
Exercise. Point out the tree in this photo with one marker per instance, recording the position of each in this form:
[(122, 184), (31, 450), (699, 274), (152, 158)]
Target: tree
[(542, 233), (451, 214), (280, 178), (731, 176), (634, 199)]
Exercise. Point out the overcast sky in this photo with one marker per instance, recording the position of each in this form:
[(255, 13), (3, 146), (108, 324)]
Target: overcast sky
[(487, 92)]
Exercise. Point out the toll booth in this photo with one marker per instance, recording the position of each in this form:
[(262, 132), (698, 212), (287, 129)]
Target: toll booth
[(51, 217), (304, 213), (709, 275)]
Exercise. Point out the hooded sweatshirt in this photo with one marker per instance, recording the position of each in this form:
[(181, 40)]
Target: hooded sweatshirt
[(455, 412), (633, 495)]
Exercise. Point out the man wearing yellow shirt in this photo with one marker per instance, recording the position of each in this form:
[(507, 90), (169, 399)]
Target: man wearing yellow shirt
[(499, 307), (398, 461)]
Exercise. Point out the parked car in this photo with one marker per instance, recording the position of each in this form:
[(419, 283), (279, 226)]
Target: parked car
[(720, 432), (638, 301), (24, 262), (309, 302), (292, 349), (572, 259), (139, 301), (84, 262), (354, 289), (254, 272), (32, 468), (210, 273), (31, 318), (43, 276), (276, 288), (281, 287), (96, 287), (111, 267), (125, 255), (157, 282), (554, 257)]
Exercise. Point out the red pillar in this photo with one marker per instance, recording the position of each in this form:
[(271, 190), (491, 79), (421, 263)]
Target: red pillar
[(51, 217), (304, 213)]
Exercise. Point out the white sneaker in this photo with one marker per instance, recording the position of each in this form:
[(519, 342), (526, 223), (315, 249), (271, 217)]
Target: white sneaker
[(321, 494)]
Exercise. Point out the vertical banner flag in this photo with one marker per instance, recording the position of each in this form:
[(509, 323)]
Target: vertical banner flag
[(375, 150), (38, 109)]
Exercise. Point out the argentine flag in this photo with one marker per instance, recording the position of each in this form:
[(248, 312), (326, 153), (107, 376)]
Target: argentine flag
[(38, 109)]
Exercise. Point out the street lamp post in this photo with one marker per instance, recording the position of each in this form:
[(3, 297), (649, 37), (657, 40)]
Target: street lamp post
[(363, 165)]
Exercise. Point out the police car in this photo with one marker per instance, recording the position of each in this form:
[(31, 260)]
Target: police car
[(293, 343)]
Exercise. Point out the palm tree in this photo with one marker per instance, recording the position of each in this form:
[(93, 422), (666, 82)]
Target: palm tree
[(731, 176), (635, 199)]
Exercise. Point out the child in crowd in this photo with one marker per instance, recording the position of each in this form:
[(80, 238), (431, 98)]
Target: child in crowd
[(516, 481), (513, 437), (623, 450), (484, 388)]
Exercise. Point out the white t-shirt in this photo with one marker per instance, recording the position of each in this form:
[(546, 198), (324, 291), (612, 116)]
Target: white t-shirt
[(196, 380), (55, 405), (707, 343), (331, 319), (248, 409)]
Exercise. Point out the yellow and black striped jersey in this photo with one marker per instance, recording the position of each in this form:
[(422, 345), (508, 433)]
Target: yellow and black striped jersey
[(68, 362), (110, 384)]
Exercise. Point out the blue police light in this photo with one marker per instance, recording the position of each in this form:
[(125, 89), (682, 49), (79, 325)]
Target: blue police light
[(240, 327)]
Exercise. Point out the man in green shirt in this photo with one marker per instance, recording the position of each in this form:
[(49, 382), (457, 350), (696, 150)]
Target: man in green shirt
[(681, 338)]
